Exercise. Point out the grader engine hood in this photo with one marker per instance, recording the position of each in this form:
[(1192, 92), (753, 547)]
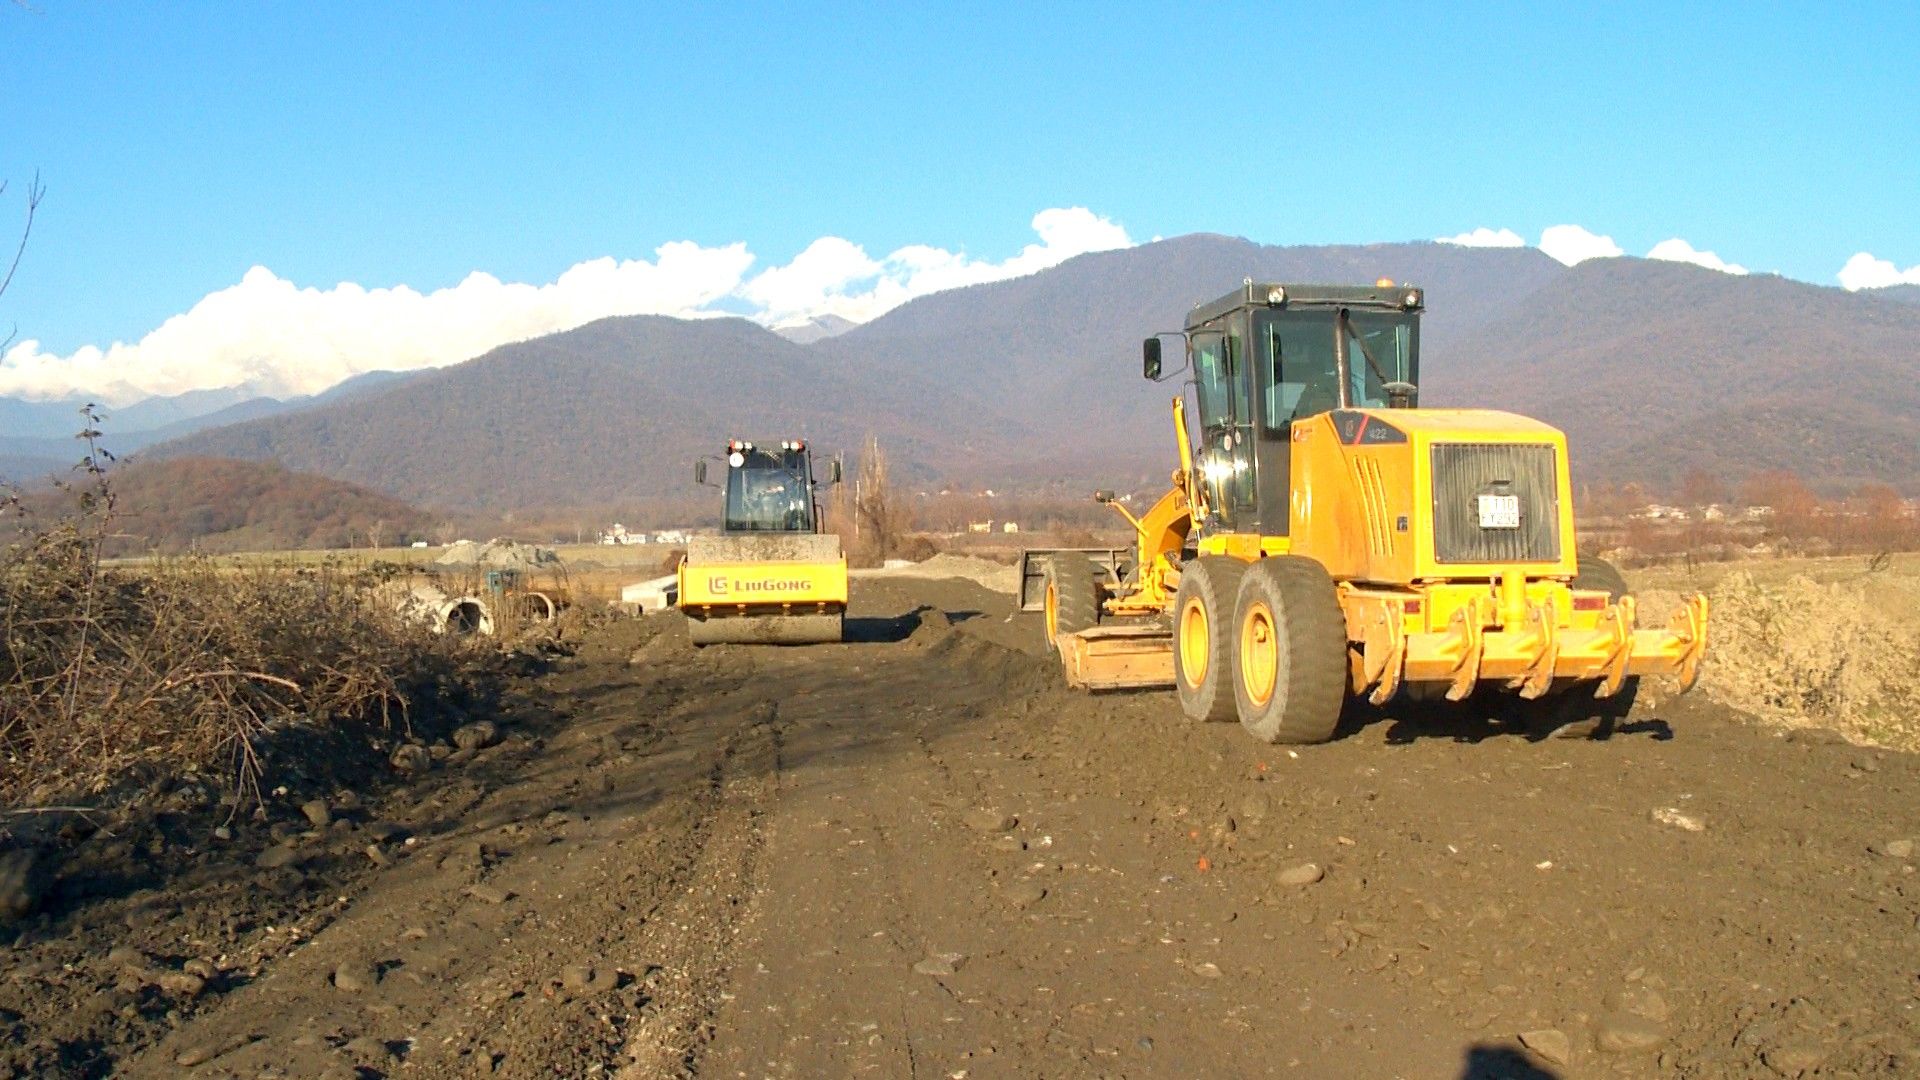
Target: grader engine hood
[(1404, 495)]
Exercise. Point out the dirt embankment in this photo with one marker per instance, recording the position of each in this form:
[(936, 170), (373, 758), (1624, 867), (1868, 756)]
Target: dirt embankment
[(916, 854)]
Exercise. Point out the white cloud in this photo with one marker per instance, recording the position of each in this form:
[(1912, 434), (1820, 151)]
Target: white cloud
[(837, 277), (1573, 245), (1678, 250), (1863, 271), (274, 337), (1485, 237)]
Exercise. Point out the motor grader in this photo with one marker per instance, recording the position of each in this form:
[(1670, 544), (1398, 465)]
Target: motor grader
[(771, 576), (1325, 538)]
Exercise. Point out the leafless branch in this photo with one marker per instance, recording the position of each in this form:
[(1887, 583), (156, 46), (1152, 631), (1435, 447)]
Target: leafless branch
[(230, 673), (35, 192)]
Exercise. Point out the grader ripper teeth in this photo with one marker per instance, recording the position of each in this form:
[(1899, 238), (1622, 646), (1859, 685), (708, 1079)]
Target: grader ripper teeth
[(1526, 660)]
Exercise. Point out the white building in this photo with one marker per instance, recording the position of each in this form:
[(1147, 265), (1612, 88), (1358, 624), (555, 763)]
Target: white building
[(618, 534)]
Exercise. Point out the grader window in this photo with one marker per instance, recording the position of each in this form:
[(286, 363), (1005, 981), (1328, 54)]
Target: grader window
[(1224, 453), (1381, 347), (1219, 379), (1298, 369)]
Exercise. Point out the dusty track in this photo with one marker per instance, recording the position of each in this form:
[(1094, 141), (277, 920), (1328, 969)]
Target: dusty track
[(916, 855)]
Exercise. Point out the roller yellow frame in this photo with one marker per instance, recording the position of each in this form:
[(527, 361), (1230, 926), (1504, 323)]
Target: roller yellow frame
[(762, 587)]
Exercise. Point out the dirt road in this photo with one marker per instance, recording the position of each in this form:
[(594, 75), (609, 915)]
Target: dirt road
[(917, 855)]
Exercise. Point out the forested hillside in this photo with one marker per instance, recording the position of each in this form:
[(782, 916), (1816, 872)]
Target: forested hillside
[(1033, 384)]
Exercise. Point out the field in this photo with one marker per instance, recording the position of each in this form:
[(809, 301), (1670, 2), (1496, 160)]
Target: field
[(916, 853)]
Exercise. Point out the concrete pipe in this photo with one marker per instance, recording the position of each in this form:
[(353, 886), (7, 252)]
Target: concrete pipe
[(537, 606), (465, 615)]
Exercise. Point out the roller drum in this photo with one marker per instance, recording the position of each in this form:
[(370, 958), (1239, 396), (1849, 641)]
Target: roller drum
[(766, 629)]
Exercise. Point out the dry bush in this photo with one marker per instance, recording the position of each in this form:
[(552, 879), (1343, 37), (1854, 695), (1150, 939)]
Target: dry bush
[(915, 547), (882, 519), (182, 663), (1802, 653), (1077, 538)]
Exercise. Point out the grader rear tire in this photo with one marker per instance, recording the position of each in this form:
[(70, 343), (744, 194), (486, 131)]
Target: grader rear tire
[(1203, 637), (1290, 660), (1072, 598)]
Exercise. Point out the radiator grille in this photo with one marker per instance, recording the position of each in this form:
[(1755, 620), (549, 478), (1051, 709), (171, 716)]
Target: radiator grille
[(1462, 472)]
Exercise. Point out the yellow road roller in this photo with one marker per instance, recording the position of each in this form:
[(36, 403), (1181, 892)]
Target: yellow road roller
[(771, 576)]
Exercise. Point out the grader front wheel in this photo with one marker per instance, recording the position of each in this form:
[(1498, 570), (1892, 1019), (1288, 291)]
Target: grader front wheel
[(1072, 601), (1203, 637)]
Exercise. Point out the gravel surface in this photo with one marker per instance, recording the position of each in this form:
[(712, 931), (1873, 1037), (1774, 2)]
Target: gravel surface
[(917, 854)]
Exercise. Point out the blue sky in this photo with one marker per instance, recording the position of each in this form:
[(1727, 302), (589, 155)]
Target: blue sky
[(414, 144)]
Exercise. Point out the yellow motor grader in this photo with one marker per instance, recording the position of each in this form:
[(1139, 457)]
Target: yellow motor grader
[(1324, 537)]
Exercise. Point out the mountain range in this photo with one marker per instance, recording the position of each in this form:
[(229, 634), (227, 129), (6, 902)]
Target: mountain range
[(1033, 384), (38, 437)]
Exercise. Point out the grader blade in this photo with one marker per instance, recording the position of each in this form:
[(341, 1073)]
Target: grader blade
[(1118, 658)]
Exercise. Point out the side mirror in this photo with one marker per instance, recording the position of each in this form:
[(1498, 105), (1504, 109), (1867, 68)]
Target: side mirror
[(1150, 358), (699, 472), (833, 471)]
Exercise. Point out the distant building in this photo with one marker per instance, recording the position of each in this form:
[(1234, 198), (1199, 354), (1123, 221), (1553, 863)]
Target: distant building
[(1010, 527), (618, 534), (979, 526), (673, 536)]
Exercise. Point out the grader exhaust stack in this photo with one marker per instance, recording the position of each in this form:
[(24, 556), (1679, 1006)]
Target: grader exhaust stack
[(770, 577), (1325, 538)]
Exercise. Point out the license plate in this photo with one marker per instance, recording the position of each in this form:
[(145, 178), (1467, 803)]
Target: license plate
[(1499, 511)]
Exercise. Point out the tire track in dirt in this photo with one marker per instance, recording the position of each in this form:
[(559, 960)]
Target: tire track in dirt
[(691, 937), (856, 891), (505, 944)]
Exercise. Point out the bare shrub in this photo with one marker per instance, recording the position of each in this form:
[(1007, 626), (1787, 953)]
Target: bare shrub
[(916, 547), (182, 662), (881, 517), (1076, 537)]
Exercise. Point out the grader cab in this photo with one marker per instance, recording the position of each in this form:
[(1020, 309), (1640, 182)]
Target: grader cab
[(1325, 537)]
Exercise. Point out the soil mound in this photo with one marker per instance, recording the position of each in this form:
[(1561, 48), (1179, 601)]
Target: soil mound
[(498, 555), (1802, 653), (993, 575)]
